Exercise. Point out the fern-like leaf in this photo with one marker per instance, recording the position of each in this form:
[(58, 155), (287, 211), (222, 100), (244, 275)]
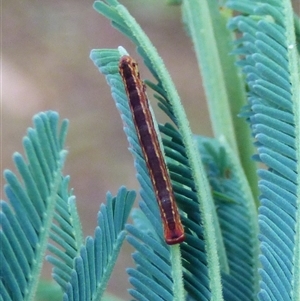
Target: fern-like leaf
[(27, 216), (270, 62), (194, 258), (237, 218), (235, 208), (83, 271), (67, 234)]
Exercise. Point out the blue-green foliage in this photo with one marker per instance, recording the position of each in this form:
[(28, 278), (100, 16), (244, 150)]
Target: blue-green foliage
[(26, 217), (83, 271), (270, 113), (238, 237), (196, 279), (239, 278), (233, 212), (152, 278), (41, 206), (66, 233)]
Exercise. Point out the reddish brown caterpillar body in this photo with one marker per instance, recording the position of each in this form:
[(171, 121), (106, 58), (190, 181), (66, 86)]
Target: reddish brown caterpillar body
[(138, 103)]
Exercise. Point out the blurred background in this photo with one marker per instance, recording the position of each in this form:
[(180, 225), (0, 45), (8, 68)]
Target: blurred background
[(46, 66)]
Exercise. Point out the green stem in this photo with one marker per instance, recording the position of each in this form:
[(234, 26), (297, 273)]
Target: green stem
[(222, 81), (294, 67), (178, 287)]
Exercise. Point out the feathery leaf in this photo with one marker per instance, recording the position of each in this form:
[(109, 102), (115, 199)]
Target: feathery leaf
[(67, 234), (27, 216), (237, 219), (269, 60), (83, 272)]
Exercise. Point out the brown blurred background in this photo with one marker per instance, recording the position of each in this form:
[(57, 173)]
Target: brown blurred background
[(46, 66)]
